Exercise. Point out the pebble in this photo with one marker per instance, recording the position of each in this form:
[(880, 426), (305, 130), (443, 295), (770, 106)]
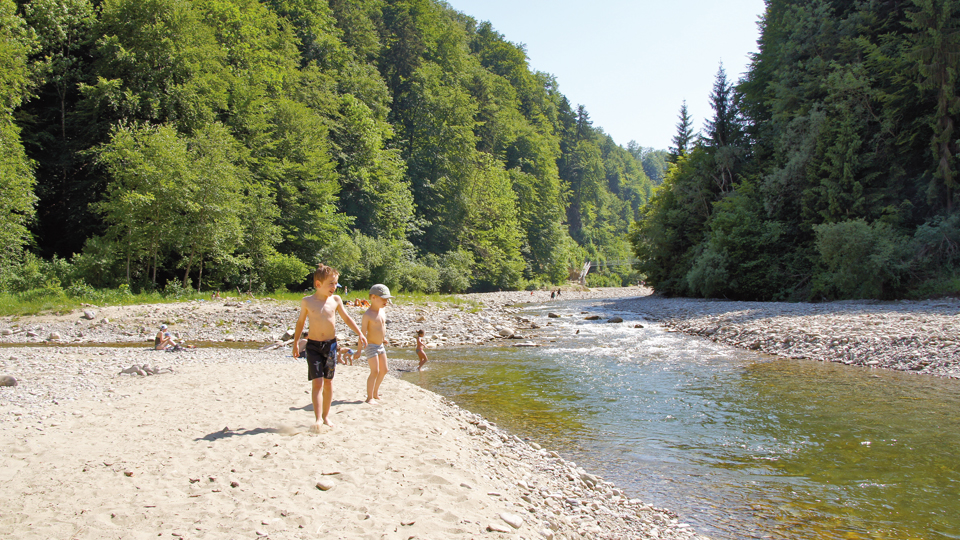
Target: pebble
[(496, 527), (325, 484), (513, 520)]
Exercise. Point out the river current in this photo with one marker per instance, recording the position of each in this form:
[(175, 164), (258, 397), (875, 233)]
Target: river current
[(741, 445)]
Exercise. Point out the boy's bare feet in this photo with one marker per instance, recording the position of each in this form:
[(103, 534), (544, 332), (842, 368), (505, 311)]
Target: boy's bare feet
[(371, 401), (328, 422)]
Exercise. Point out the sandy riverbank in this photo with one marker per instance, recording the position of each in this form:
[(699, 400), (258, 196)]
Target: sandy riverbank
[(220, 449)]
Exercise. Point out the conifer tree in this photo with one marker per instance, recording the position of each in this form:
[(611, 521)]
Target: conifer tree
[(936, 47), (684, 136)]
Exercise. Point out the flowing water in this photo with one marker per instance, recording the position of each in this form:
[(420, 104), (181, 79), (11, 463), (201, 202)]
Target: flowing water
[(741, 445)]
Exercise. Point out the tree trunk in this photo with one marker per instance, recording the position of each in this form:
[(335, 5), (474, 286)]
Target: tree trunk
[(186, 275)]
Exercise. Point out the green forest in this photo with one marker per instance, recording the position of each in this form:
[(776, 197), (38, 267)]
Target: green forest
[(152, 145), (829, 171)]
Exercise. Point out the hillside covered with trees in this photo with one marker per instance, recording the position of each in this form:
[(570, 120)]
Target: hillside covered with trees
[(237, 143), (830, 171)]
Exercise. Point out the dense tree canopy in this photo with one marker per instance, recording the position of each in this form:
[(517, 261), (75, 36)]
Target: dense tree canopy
[(237, 143), (829, 171)]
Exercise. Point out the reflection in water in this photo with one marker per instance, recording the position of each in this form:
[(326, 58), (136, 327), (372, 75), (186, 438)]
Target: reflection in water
[(741, 445)]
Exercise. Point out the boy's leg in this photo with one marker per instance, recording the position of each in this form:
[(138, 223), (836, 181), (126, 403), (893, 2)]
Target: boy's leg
[(381, 360), (327, 400), (372, 378), (316, 386)]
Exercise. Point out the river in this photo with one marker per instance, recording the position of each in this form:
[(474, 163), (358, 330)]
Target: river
[(741, 445)]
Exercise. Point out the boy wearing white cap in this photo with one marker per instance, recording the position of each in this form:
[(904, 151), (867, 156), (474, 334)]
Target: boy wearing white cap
[(374, 327)]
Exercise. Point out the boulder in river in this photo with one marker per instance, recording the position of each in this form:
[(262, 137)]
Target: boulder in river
[(614, 320), (592, 318)]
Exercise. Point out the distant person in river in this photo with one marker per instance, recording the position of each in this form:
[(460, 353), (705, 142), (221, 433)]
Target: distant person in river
[(421, 354), (553, 295)]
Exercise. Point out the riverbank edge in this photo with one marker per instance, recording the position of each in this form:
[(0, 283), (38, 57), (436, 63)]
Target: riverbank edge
[(920, 337)]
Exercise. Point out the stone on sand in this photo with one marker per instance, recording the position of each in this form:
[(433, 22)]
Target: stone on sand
[(325, 484), (513, 520)]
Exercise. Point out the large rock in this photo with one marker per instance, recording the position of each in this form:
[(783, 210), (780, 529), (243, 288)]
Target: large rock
[(286, 335), (614, 320), (513, 520), (8, 380), (89, 314), (506, 332), (592, 318)]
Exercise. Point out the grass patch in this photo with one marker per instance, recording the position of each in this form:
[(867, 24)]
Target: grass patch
[(41, 301), (36, 302)]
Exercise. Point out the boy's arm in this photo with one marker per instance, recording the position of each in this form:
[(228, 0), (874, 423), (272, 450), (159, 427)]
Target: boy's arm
[(362, 342), (299, 329)]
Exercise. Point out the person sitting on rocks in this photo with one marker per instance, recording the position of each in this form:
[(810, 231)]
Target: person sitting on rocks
[(163, 340)]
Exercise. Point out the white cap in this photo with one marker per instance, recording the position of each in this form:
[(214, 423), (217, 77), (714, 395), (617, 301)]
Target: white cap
[(380, 290)]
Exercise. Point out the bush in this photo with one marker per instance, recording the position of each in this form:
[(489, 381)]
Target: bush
[(281, 271), (862, 260), (455, 274), (175, 289), (418, 277), (603, 280)]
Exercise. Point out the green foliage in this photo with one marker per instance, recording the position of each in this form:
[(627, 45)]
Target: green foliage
[(828, 171), (604, 280), (17, 197), (454, 272), (861, 260), (280, 271), (227, 143), (740, 257), (419, 277)]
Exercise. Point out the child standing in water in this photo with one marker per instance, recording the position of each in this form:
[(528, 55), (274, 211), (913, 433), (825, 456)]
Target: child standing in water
[(420, 352), (322, 308), (374, 325)]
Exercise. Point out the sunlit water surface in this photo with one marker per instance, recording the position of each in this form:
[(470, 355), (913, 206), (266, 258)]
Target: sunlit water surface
[(741, 445)]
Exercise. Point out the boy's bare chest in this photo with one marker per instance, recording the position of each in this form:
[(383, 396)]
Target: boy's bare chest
[(322, 310)]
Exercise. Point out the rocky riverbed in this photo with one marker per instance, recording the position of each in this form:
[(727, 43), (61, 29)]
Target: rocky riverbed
[(915, 336)]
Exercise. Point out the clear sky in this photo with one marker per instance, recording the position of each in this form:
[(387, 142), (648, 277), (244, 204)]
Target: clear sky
[(631, 63)]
